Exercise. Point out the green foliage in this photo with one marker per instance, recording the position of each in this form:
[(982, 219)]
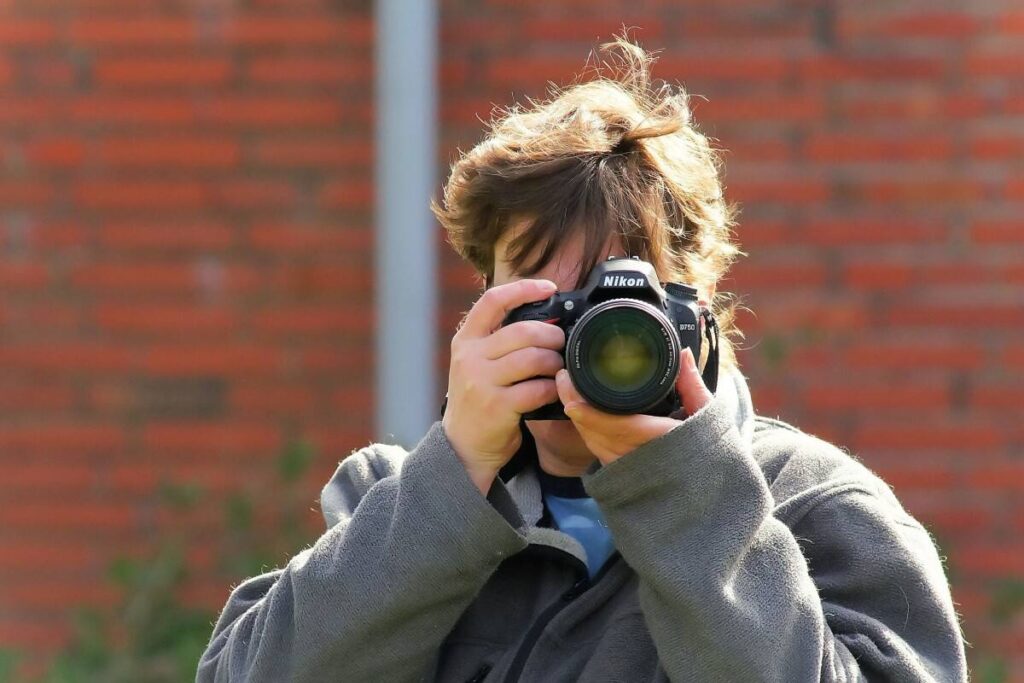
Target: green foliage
[(150, 637)]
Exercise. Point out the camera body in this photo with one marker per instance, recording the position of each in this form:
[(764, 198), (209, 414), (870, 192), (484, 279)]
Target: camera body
[(624, 334)]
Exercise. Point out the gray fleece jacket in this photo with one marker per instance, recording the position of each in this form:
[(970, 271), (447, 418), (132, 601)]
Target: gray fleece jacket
[(747, 550)]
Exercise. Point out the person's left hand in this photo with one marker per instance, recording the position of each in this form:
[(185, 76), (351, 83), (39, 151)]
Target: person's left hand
[(609, 436)]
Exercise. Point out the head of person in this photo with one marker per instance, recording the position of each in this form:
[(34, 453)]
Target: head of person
[(607, 166)]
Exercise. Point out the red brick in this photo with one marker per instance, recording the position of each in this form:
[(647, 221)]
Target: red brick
[(717, 66), (946, 315), (285, 237), (141, 194), (989, 561), (759, 107), (779, 191), (857, 68), (841, 232), (997, 232), (308, 70), (959, 519), (124, 31), (987, 476), (842, 147), (255, 195), (36, 396), (920, 355), (56, 152), (885, 27), (30, 555), (277, 399), (166, 319), (911, 190), (799, 274), (352, 30), (575, 28), (312, 321), (36, 478), (164, 277), (150, 72), (27, 193), (877, 275), (913, 436), (24, 32), (308, 282), (910, 105), (160, 110), (862, 396), (988, 398), (200, 234), (48, 594), (28, 276), (346, 194), (997, 147), (163, 152), (93, 517), (903, 478), (305, 152), (219, 360), (994, 64), (20, 633), (253, 111), (65, 357), (212, 438), (20, 111)]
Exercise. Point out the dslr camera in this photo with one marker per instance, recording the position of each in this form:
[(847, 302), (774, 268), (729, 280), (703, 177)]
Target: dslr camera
[(624, 333)]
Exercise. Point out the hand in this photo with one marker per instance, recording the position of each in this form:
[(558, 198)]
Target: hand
[(490, 381), (609, 436)]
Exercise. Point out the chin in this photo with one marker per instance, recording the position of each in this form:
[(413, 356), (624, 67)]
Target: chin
[(561, 438)]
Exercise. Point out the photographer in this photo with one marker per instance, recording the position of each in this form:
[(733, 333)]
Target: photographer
[(705, 544)]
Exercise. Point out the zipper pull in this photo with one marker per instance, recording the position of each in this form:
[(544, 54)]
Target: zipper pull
[(577, 589), (480, 675)]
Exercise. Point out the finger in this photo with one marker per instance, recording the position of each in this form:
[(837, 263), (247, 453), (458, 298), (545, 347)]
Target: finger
[(531, 394), (491, 308), (566, 391), (521, 335), (690, 384), (526, 363)]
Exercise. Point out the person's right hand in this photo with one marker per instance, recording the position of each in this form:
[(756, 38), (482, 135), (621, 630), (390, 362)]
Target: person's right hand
[(489, 381)]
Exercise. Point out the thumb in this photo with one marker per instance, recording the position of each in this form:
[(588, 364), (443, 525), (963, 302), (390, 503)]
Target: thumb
[(690, 385)]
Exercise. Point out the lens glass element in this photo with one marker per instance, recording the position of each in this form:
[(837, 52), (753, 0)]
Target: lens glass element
[(622, 350)]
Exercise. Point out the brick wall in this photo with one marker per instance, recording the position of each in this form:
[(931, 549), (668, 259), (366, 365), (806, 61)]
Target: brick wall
[(186, 233)]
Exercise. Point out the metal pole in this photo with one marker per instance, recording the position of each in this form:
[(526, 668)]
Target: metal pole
[(406, 282)]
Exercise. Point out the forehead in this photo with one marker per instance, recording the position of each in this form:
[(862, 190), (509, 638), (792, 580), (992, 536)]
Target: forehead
[(563, 269)]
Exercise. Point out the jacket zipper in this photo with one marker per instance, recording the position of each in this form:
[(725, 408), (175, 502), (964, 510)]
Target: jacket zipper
[(577, 589)]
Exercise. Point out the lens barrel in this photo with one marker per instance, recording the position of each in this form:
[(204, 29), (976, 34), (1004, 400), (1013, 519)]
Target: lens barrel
[(623, 356)]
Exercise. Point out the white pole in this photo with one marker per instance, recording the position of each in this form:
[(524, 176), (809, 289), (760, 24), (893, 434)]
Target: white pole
[(406, 150)]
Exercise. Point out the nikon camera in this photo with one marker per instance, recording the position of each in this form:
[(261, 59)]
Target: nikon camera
[(624, 333)]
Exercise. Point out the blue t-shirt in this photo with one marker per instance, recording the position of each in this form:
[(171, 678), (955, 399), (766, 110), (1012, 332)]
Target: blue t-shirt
[(578, 515)]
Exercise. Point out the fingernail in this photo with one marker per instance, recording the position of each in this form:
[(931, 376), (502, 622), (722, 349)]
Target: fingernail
[(560, 375), (548, 284)]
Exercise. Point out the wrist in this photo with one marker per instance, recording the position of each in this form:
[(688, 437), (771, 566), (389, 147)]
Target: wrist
[(483, 479), (481, 475)]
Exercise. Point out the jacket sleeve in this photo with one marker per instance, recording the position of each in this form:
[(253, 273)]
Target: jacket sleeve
[(727, 591), (375, 596)]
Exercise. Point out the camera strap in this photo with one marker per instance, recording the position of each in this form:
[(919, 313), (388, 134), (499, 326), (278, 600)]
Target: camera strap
[(710, 375)]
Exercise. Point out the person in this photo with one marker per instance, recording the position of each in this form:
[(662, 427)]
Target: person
[(712, 544)]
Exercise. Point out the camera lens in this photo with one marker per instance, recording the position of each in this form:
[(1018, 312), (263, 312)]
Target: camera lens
[(622, 353), (623, 356)]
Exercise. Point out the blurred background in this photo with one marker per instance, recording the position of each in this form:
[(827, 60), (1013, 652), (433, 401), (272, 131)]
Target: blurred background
[(190, 226)]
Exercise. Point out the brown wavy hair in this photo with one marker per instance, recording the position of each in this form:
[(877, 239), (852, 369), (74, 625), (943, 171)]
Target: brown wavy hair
[(610, 155)]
